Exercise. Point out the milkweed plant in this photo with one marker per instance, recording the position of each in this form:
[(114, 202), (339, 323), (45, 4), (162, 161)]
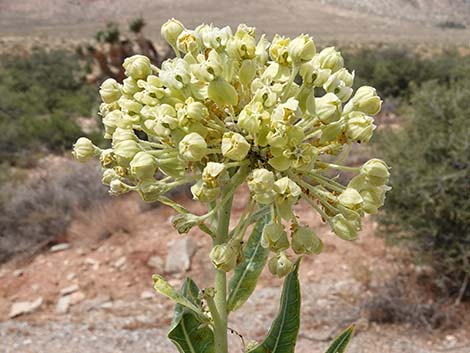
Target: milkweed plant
[(231, 109)]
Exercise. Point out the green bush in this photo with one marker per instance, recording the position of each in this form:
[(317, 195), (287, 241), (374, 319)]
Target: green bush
[(392, 71), (39, 95), (429, 205)]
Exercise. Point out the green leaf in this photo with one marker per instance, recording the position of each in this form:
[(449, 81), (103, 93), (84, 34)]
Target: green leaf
[(163, 287), (187, 331), (282, 335), (245, 277), (340, 343)]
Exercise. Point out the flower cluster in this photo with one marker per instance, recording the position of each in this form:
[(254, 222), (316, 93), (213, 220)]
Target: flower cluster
[(231, 108)]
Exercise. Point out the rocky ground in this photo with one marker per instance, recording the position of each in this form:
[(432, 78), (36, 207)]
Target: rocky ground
[(93, 292)]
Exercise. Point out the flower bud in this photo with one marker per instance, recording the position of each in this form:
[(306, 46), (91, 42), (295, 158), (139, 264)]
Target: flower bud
[(261, 183), (222, 92), (202, 192), (345, 76), (213, 37), (274, 237), (143, 166), (350, 198), (84, 150), (184, 222), (170, 31), (193, 147), (188, 42), (196, 111), (121, 134), (330, 58), (125, 151), (111, 121), (279, 50), (117, 187), (137, 66), (374, 198), (359, 127), (261, 51), (224, 256), (287, 193), (108, 176), (332, 131), (213, 174), (110, 91), (252, 116), (305, 241), (151, 190), (328, 108), (234, 146), (107, 158), (129, 106), (301, 49), (313, 75), (242, 45), (376, 172), (344, 228), (280, 265), (130, 87), (366, 100)]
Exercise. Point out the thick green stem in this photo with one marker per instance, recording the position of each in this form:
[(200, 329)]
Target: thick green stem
[(220, 298)]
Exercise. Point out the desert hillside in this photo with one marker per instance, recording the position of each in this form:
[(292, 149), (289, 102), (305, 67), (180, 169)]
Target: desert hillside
[(415, 21)]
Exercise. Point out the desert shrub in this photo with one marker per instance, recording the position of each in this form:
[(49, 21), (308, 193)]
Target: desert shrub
[(40, 94), (451, 25), (393, 71), (401, 300), (429, 205), (34, 212)]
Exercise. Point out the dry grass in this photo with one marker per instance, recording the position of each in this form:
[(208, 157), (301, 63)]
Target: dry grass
[(404, 301), (34, 213), (100, 222)]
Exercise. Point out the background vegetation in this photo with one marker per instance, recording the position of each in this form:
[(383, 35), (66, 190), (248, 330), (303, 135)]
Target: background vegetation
[(428, 209), (40, 95)]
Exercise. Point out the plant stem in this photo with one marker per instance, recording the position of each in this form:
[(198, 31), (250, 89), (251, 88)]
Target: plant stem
[(220, 285)]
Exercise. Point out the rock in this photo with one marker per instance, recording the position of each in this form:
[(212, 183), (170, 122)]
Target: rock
[(18, 273), (120, 262), (107, 305), (451, 341), (35, 287), (179, 255), (71, 276), (96, 302), (59, 247), (76, 297), (70, 289), (95, 264), (156, 262), (63, 305), (147, 295), (21, 308)]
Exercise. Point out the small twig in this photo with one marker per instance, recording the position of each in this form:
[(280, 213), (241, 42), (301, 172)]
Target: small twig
[(462, 289)]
